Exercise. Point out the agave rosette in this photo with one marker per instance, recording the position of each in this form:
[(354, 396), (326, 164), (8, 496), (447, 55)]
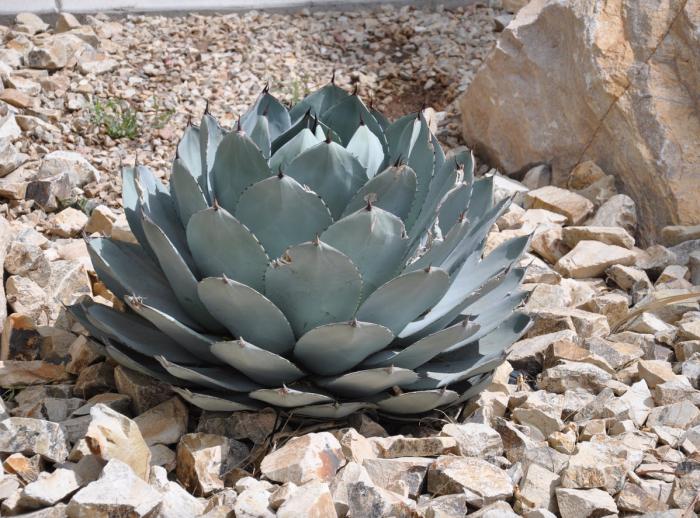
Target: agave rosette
[(319, 259)]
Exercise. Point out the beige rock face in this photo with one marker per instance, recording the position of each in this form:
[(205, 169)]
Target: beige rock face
[(316, 456), (482, 482), (574, 206), (635, 89), (114, 436), (591, 258), (164, 423)]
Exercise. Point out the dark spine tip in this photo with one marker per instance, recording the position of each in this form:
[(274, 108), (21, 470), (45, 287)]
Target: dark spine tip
[(280, 173), (189, 119), (462, 216), (238, 124), (353, 322), (206, 108), (362, 120), (329, 136), (398, 161), (266, 88), (368, 207), (317, 240), (215, 204), (355, 88), (333, 77), (371, 101), (428, 268)]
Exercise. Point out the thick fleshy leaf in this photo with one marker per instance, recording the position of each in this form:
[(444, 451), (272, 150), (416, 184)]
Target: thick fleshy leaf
[(346, 116), (280, 212), (179, 275), (188, 196), (440, 374), (332, 410), (421, 159), (417, 402), (193, 342), (131, 199), (392, 190), (260, 134), (137, 334), (335, 348), (308, 121), (260, 365), (472, 276), (242, 310), (221, 245), (375, 242), (314, 284), (302, 141), (319, 101), (399, 136), (443, 180), (189, 153), (268, 107), (216, 378), (367, 382), (473, 386), (367, 148), (383, 121), (210, 136), (454, 206), (238, 165), (286, 397), (403, 298), (506, 334), (145, 365), (481, 200), (331, 171), (217, 402), (127, 270), (424, 349)]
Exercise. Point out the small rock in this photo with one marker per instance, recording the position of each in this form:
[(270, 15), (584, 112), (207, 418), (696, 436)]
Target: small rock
[(474, 439), (49, 489), (71, 165), (114, 436), (315, 456), (95, 379), (356, 448), (10, 159), (176, 502), (66, 22), (618, 211), (17, 98), (33, 436), (69, 222), (253, 503), (571, 375), (164, 423), (608, 235), (23, 373), (655, 372), (252, 426), (574, 206), (312, 499), (591, 258), (203, 459), (100, 221), (370, 501), (537, 488), (145, 393), (30, 23), (482, 482), (675, 234), (683, 414), (598, 465), (578, 503), (118, 492), (26, 469), (538, 176), (400, 446), (402, 475), (346, 476)]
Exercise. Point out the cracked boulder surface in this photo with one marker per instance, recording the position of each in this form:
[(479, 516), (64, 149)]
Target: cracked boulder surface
[(612, 81)]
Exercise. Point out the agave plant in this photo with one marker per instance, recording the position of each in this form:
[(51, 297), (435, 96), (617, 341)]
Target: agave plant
[(320, 259)]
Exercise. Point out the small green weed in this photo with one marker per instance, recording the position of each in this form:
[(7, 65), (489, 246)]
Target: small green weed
[(118, 118)]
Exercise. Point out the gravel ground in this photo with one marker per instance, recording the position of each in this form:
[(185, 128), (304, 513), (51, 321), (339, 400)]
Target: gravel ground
[(168, 67)]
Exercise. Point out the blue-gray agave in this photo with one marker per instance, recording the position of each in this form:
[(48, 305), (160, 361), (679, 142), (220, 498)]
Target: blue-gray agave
[(320, 259)]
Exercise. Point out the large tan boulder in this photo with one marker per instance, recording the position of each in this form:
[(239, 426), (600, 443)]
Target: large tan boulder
[(613, 81)]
